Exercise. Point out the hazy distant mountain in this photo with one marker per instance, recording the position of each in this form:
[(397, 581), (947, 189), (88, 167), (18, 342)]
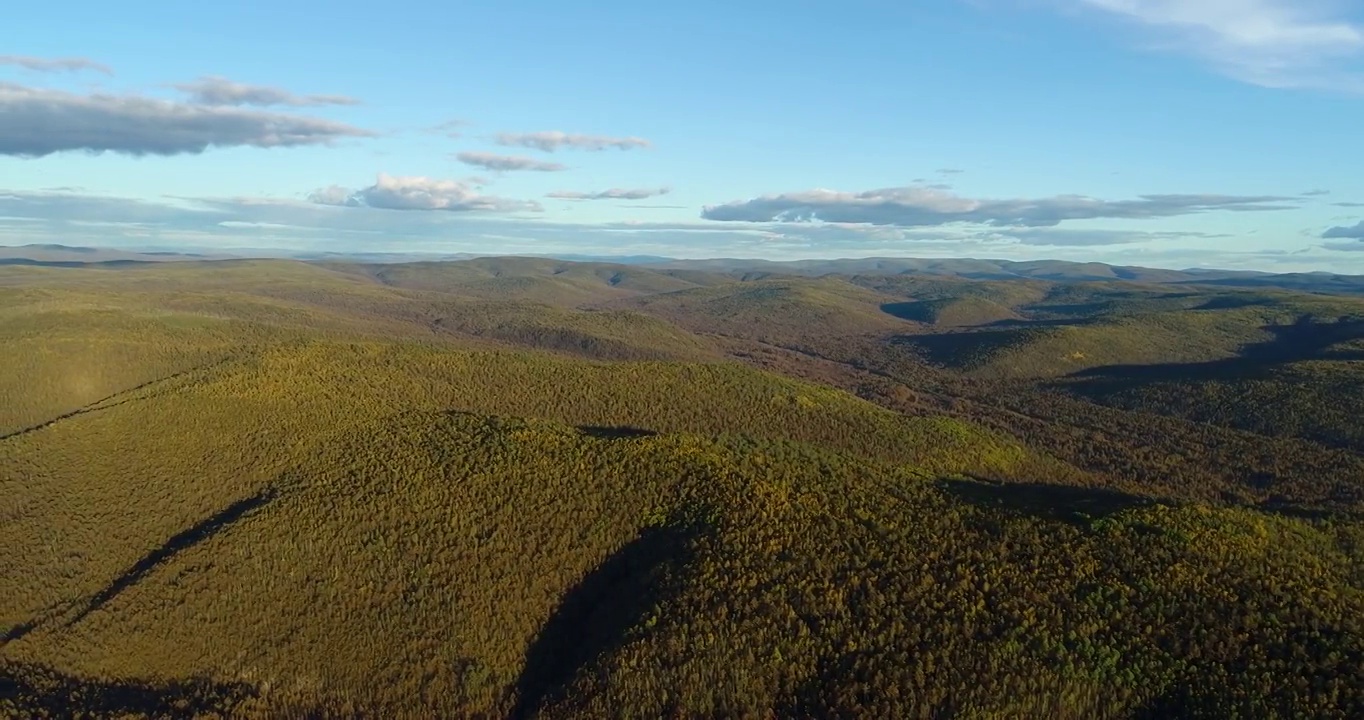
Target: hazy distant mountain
[(50, 254), (971, 268), (1055, 270)]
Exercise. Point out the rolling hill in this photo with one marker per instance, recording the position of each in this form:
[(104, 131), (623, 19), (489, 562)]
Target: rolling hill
[(772, 310), (528, 487), (734, 268), (525, 278)]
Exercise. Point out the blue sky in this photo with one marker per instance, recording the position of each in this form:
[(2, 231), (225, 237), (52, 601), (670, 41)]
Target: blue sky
[(1171, 133)]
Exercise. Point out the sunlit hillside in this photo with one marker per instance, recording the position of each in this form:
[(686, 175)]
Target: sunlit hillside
[(275, 489)]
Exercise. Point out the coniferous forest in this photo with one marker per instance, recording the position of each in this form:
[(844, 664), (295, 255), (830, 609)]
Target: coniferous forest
[(527, 488)]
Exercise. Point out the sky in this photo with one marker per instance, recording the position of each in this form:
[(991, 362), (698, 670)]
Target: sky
[(1163, 133)]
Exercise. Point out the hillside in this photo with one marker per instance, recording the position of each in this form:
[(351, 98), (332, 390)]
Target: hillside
[(773, 310), (1080, 327), (646, 537), (535, 279), (50, 254), (75, 336), (417, 264), (1048, 270), (533, 488)]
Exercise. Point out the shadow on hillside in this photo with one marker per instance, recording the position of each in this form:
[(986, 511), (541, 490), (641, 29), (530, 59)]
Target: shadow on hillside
[(103, 403), (1065, 503), (594, 617), (1078, 311), (1300, 282), (1210, 700), (1286, 508), (1304, 340), (18, 631), (184, 540), (915, 311), (923, 311), (615, 432), (79, 263), (32, 690), (968, 347), (573, 341), (1049, 322), (1234, 302), (835, 689)]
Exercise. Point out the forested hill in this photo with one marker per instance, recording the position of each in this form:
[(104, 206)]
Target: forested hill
[(530, 487), (974, 269)]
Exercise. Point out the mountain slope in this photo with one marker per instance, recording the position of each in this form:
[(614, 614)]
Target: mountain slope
[(276, 489), (406, 577), (773, 310)]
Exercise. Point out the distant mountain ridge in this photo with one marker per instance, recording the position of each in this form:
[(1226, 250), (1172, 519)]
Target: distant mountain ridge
[(970, 268)]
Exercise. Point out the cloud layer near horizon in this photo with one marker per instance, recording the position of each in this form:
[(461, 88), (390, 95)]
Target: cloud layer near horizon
[(920, 207), (347, 220), (218, 112), (419, 193), (611, 194)]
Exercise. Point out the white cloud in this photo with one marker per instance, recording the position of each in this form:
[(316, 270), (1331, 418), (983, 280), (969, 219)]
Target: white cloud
[(219, 224), (1274, 43), (419, 193), (920, 206), (35, 122), (215, 90), (611, 194), (330, 195), (1064, 237), (250, 226), (507, 163), (552, 140), (450, 128), (69, 64)]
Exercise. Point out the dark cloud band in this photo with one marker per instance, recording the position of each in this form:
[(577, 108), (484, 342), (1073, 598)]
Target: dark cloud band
[(1345, 232), (612, 194), (37, 122), (921, 207), (553, 140), (419, 193), (507, 163), (214, 90)]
